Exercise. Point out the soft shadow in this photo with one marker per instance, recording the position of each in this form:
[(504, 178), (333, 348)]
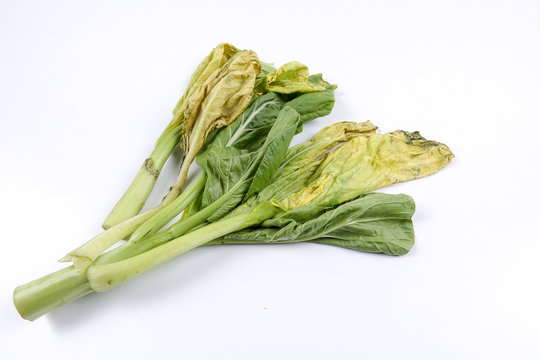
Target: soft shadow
[(168, 280)]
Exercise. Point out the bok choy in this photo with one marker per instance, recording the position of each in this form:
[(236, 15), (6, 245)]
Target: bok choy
[(237, 119)]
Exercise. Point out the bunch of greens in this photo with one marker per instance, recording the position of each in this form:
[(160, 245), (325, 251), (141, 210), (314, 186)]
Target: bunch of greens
[(253, 188)]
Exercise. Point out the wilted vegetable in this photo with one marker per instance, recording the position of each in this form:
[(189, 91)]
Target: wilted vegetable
[(237, 119)]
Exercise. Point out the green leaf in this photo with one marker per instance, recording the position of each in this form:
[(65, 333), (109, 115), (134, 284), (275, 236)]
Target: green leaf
[(276, 145), (261, 82), (374, 222), (233, 180), (313, 105), (224, 168), (318, 79), (267, 68)]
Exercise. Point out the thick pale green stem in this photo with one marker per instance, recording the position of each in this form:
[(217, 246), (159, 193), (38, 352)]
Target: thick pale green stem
[(85, 254), (39, 297), (170, 211), (45, 294), (183, 226), (69, 284), (135, 196), (107, 276)]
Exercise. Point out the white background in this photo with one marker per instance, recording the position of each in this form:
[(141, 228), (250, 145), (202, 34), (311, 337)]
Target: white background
[(86, 88)]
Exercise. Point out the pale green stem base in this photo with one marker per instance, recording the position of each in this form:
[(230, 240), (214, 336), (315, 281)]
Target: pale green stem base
[(45, 294)]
